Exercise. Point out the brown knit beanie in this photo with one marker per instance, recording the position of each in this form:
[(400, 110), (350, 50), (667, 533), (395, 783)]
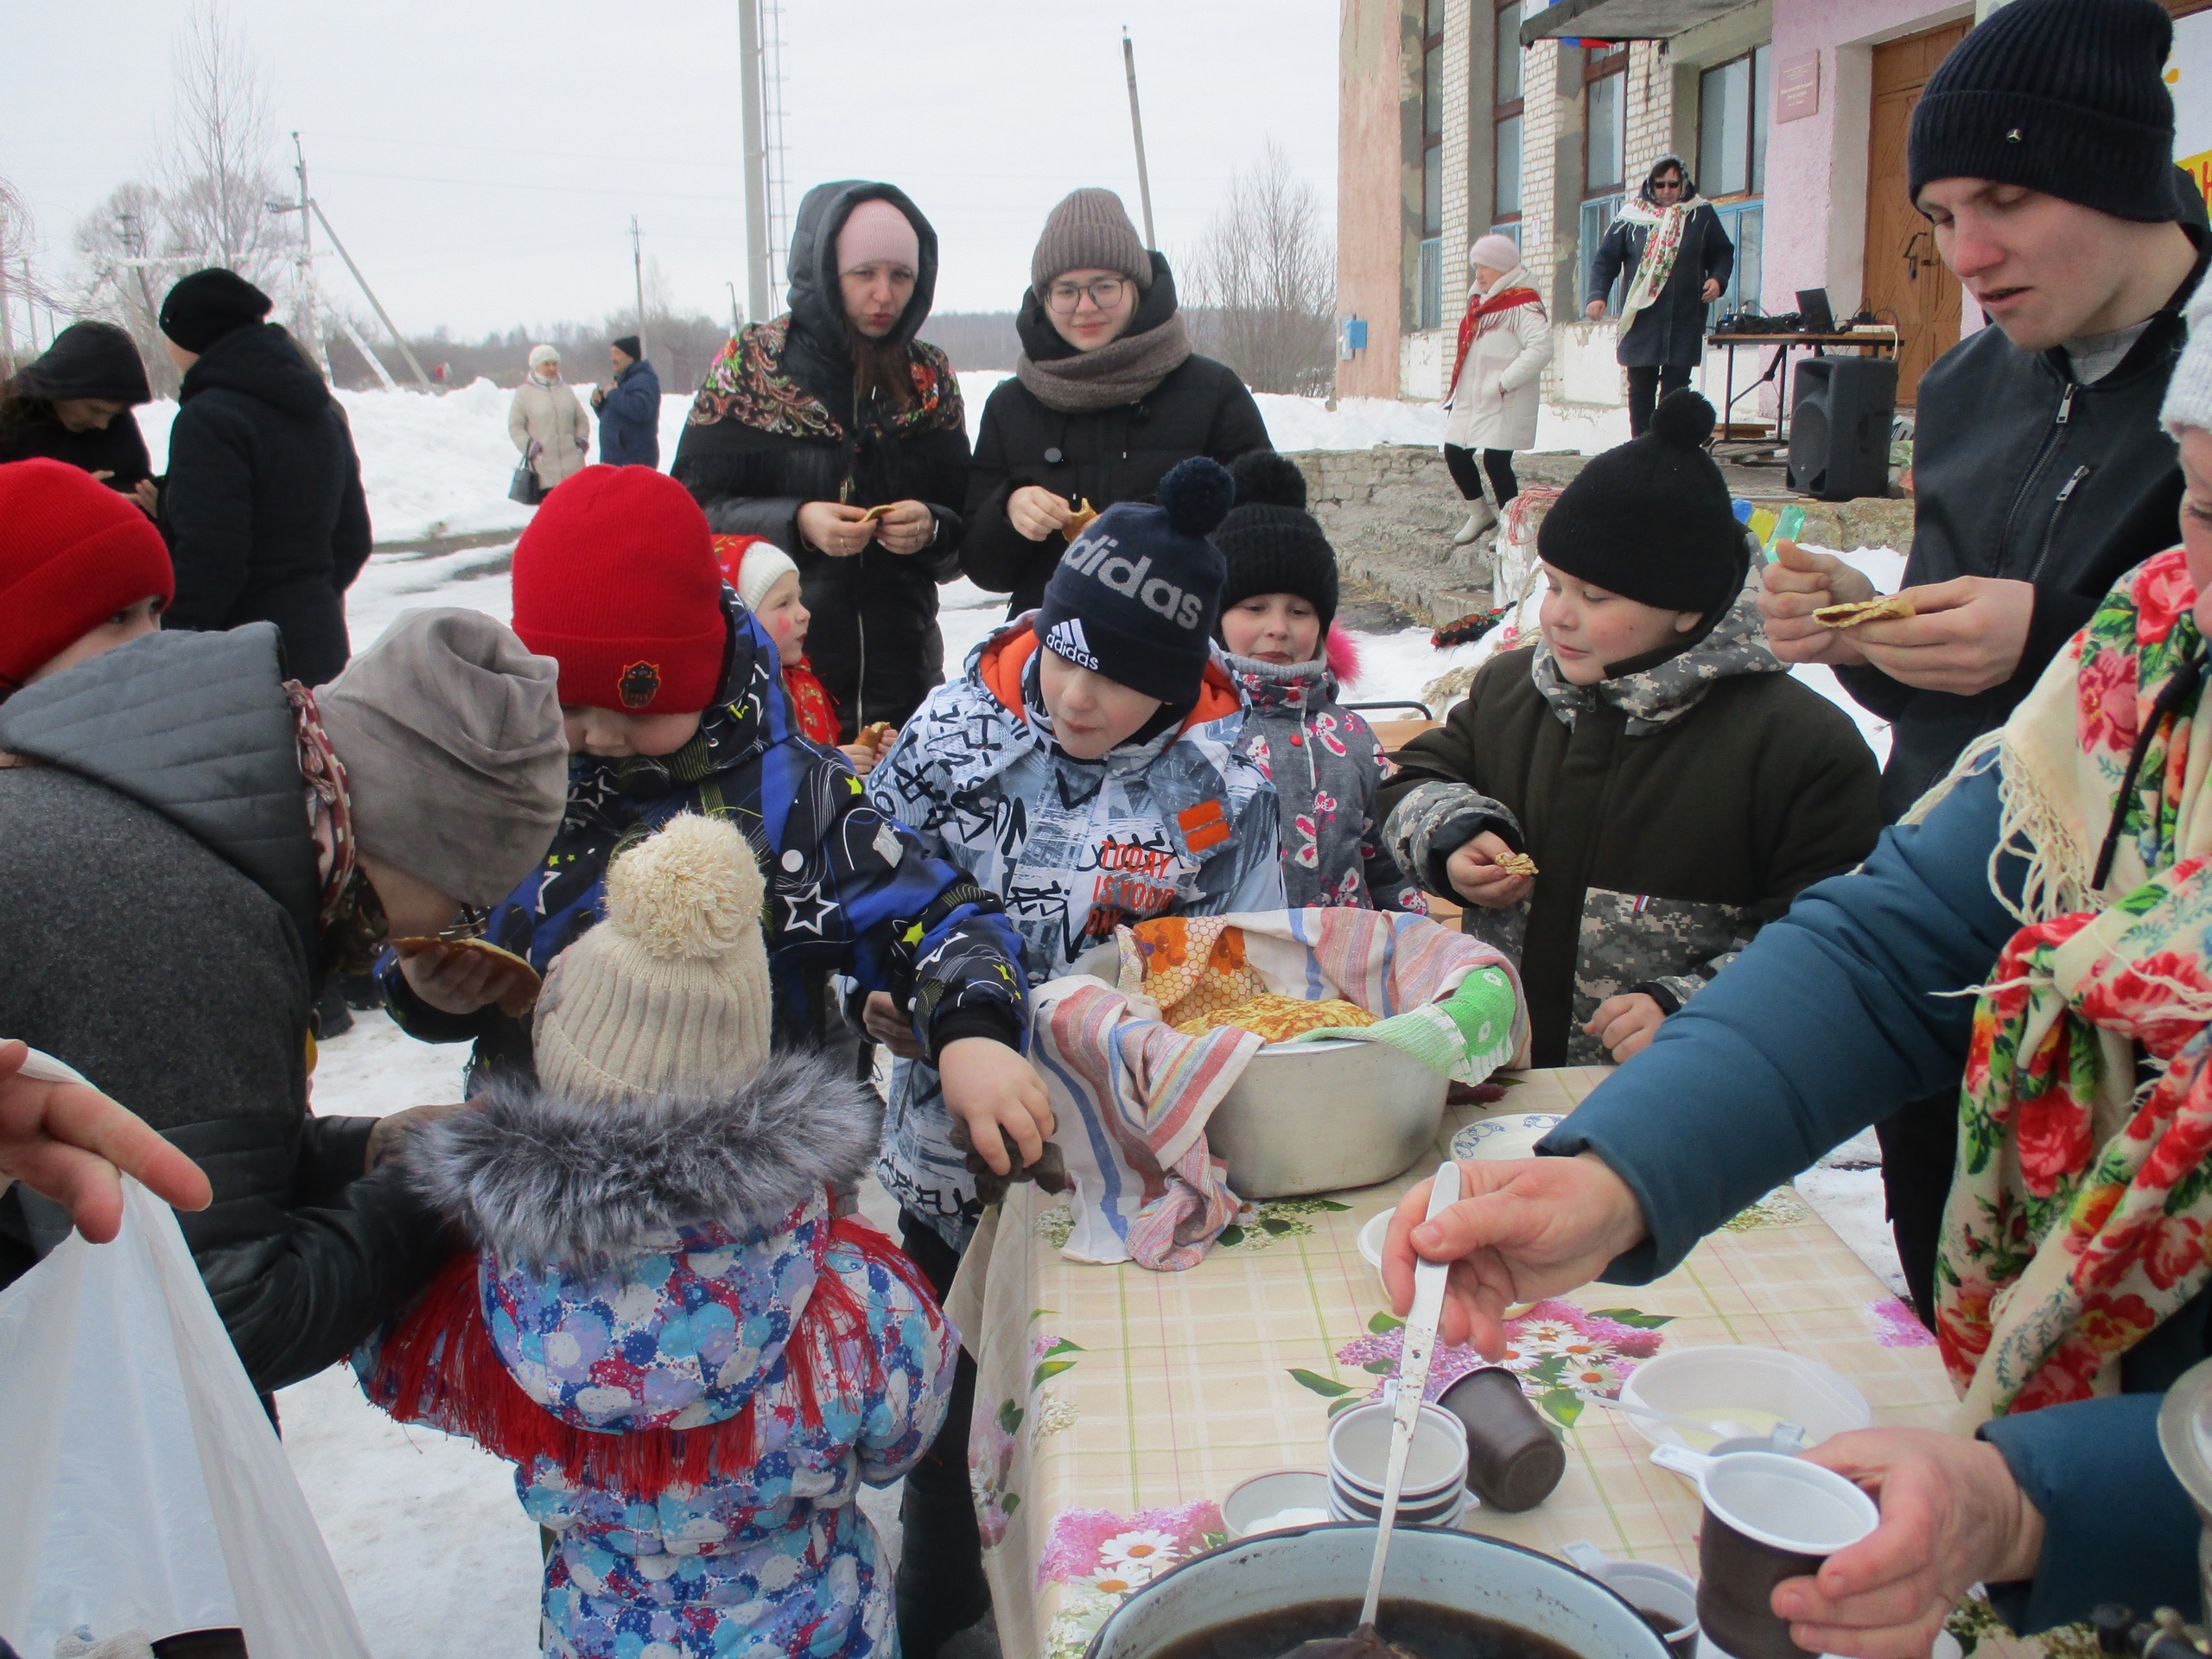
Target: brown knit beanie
[(1089, 230), (456, 764), (670, 994)]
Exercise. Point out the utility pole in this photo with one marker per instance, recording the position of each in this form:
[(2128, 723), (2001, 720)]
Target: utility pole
[(6, 327), (1136, 126), (383, 316), (638, 263), (750, 73), (306, 266)]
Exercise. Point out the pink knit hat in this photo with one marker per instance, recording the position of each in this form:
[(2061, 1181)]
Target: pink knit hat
[(876, 230), (1498, 251)]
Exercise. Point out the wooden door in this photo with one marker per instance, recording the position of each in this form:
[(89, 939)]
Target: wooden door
[(1904, 278)]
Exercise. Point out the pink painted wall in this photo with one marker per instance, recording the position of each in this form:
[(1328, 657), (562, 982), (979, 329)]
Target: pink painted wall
[(1815, 224)]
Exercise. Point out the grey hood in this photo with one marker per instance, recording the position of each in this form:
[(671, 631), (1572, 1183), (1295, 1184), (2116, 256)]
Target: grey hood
[(539, 1179), (196, 727)]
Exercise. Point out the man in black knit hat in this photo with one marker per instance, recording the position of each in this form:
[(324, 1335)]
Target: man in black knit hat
[(628, 408), (2041, 153)]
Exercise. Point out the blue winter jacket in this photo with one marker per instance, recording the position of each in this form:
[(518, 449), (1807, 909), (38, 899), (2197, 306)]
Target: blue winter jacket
[(629, 419), (1836, 1016)]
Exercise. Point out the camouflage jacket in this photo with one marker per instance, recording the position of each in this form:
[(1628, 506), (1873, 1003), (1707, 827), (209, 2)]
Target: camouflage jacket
[(1671, 810)]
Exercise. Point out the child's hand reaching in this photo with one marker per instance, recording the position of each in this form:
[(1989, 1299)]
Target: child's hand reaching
[(454, 982), (998, 1096), (1626, 1023), (861, 754), (1475, 878), (889, 1027)]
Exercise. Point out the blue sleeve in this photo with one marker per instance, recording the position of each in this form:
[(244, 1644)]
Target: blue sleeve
[(1834, 1017), (2117, 1525), (636, 400)]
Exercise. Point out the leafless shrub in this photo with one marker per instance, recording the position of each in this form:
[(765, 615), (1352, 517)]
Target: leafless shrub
[(1265, 272)]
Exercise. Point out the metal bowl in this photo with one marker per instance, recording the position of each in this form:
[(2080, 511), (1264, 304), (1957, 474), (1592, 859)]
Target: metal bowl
[(1315, 1117)]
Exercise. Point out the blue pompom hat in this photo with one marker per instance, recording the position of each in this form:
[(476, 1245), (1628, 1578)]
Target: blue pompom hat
[(1134, 598)]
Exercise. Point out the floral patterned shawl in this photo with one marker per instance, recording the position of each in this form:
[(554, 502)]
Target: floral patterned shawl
[(2079, 1209), (749, 384)]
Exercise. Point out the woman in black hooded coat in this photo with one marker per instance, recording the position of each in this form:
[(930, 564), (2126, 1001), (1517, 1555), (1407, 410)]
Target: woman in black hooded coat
[(805, 422), (1104, 400), (74, 404)]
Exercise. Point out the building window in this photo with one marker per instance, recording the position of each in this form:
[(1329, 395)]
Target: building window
[(1731, 123), (1745, 223), (1429, 302), (1597, 216), (1505, 117), (1604, 126)]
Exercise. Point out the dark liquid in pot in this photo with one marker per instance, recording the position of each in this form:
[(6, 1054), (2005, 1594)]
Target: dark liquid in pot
[(1433, 1632)]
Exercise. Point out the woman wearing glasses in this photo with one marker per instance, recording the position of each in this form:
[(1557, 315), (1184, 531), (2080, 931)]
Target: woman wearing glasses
[(1676, 259), (1107, 397)]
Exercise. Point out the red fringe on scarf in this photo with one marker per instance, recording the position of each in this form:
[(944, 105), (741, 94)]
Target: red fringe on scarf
[(440, 1368)]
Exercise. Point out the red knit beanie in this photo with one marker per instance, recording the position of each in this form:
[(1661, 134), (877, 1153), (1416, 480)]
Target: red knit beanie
[(615, 579), (72, 553)]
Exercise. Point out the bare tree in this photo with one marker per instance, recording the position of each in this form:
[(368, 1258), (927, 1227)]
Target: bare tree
[(121, 281), (1266, 270), (219, 181)]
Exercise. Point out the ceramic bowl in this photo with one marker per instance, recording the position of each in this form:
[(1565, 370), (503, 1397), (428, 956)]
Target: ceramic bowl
[(1723, 1379), (1264, 1496), (1509, 1135)]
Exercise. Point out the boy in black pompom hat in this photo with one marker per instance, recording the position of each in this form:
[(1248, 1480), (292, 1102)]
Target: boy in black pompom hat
[(1625, 803), (1284, 651)]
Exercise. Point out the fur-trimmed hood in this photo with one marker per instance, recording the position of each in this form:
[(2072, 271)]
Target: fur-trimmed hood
[(537, 1178)]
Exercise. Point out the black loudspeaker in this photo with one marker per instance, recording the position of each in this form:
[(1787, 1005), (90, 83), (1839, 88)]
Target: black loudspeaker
[(1839, 416)]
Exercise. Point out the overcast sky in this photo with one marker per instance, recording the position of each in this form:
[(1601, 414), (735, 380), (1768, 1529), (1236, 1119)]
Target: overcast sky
[(479, 185)]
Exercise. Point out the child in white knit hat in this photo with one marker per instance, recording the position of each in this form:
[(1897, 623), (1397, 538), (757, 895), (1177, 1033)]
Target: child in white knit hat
[(767, 579), (692, 1362)]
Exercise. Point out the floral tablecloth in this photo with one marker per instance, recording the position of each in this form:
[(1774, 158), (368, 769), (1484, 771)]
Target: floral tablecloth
[(1116, 1407)]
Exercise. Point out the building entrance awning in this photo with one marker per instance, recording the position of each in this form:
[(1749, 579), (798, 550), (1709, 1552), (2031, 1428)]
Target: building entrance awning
[(1622, 20)]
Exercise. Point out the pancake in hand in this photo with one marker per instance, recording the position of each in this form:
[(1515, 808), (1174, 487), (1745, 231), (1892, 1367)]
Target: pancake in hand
[(1888, 608), (1516, 864), (1080, 520), (515, 985)]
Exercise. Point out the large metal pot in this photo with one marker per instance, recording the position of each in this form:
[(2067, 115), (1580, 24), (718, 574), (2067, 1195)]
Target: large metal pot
[(1315, 1117), (2185, 1436), (1458, 1570)]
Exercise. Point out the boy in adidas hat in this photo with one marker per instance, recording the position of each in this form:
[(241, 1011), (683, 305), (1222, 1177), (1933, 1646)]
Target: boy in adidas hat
[(1084, 769), (691, 1361), (1286, 655), (672, 703)]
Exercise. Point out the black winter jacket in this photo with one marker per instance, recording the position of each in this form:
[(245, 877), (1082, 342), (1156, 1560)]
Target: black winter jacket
[(1659, 854), (775, 427), (119, 447), (1103, 456), (1669, 333), (158, 899), (263, 506), (2021, 471)]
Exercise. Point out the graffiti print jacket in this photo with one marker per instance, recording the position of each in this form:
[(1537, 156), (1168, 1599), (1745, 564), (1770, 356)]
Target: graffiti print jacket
[(1325, 765), (692, 1366), (849, 890), (1673, 809), (1178, 823)]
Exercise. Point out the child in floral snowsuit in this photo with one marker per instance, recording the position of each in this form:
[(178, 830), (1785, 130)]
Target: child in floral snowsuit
[(1277, 624), (692, 1361)]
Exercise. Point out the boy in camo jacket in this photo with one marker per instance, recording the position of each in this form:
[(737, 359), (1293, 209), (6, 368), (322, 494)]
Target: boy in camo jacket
[(1673, 789)]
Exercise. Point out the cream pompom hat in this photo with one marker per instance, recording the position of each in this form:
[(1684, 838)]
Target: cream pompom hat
[(668, 995)]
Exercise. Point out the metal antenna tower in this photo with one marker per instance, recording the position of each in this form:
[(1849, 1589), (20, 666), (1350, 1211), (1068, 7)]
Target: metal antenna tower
[(776, 151)]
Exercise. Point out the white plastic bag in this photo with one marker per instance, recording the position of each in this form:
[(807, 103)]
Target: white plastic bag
[(141, 1484)]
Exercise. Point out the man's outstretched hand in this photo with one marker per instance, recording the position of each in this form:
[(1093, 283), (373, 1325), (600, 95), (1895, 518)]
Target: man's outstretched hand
[(1520, 1231), (69, 1141)]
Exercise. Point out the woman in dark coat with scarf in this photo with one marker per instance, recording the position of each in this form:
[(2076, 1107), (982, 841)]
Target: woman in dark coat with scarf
[(837, 435), (74, 404), (1106, 397), (1677, 260)]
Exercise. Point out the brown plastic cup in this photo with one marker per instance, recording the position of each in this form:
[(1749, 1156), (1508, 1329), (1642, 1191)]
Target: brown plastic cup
[(1514, 1458), (1768, 1518)]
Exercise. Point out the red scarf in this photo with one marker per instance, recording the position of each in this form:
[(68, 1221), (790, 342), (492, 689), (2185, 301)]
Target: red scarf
[(817, 715), (1478, 320)]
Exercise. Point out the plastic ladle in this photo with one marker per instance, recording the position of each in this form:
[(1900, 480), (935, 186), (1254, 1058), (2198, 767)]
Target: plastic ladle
[(1419, 1346), (1786, 1436)]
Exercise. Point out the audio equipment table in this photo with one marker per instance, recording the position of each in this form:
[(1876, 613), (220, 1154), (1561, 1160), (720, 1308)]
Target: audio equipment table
[(1880, 342)]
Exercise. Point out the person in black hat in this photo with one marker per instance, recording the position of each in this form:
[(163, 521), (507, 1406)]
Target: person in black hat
[(1283, 651), (74, 404), (629, 407), (2041, 152), (1674, 789), (263, 508)]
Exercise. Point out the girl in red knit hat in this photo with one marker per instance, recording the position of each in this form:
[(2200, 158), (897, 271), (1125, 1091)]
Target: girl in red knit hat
[(82, 570)]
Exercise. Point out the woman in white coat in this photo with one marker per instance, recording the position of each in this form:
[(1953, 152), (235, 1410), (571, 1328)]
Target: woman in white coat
[(1505, 340), (547, 422)]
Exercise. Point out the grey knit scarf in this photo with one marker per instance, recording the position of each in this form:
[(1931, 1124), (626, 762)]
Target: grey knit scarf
[(1120, 372)]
